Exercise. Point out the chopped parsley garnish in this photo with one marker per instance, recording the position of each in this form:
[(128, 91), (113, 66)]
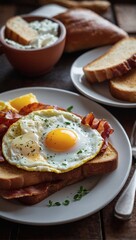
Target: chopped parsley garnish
[(80, 193), (80, 151), (67, 123), (51, 204), (66, 202), (69, 109), (64, 164)]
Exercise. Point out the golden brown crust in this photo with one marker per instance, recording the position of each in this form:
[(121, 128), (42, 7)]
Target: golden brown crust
[(124, 88), (99, 166), (93, 74), (46, 192), (104, 163), (86, 29), (13, 178)]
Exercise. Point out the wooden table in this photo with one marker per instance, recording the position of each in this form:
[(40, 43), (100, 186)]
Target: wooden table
[(101, 225)]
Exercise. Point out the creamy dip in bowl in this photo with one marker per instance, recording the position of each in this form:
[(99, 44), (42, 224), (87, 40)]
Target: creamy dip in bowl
[(40, 55), (48, 32)]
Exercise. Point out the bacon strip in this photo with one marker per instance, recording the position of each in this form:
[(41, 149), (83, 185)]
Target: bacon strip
[(32, 107), (101, 125), (6, 119), (1, 155), (23, 192), (37, 106), (41, 188)]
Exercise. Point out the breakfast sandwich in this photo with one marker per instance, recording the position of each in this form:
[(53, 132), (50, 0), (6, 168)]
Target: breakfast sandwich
[(45, 148)]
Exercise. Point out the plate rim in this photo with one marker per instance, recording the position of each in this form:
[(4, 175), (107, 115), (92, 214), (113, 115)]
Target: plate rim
[(116, 103), (123, 182)]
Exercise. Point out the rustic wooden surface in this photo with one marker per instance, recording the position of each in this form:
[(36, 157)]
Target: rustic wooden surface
[(126, 21), (101, 225)]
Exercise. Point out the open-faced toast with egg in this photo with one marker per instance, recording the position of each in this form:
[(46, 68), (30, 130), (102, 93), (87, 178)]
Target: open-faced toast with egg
[(45, 148)]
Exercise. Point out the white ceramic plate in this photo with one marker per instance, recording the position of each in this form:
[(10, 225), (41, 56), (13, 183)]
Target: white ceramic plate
[(102, 190), (97, 92)]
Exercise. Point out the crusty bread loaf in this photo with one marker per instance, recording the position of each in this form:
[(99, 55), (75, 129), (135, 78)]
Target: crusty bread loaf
[(118, 60), (18, 30), (86, 29), (103, 163), (96, 6), (124, 88)]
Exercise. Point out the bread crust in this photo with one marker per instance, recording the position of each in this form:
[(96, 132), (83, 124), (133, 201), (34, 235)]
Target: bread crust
[(86, 29), (12, 177), (99, 166), (103, 163), (115, 69), (112, 72), (124, 88)]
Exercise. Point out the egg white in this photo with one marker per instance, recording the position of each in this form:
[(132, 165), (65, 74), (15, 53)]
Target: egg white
[(24, 143)]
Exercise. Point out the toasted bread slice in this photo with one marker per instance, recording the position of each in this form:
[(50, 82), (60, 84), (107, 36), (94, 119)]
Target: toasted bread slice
[(117, 61), (103, 163), (124, 88), (18, 30), (12, 177)]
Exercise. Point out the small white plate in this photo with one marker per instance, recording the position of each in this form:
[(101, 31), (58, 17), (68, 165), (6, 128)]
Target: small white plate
[(98, 92), (102, 190)]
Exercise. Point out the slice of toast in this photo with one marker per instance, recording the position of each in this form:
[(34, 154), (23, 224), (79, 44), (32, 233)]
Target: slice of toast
[(12, 177), (18, 30), (117, 61), (124, 88), (103, 163)]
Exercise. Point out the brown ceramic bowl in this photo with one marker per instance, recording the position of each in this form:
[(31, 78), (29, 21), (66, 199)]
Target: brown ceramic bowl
[(35, 62)]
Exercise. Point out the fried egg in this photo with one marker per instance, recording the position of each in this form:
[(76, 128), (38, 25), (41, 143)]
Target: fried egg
[(50, 140)]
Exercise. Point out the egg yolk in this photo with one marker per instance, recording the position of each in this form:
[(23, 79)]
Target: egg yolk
[(61, 139)]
